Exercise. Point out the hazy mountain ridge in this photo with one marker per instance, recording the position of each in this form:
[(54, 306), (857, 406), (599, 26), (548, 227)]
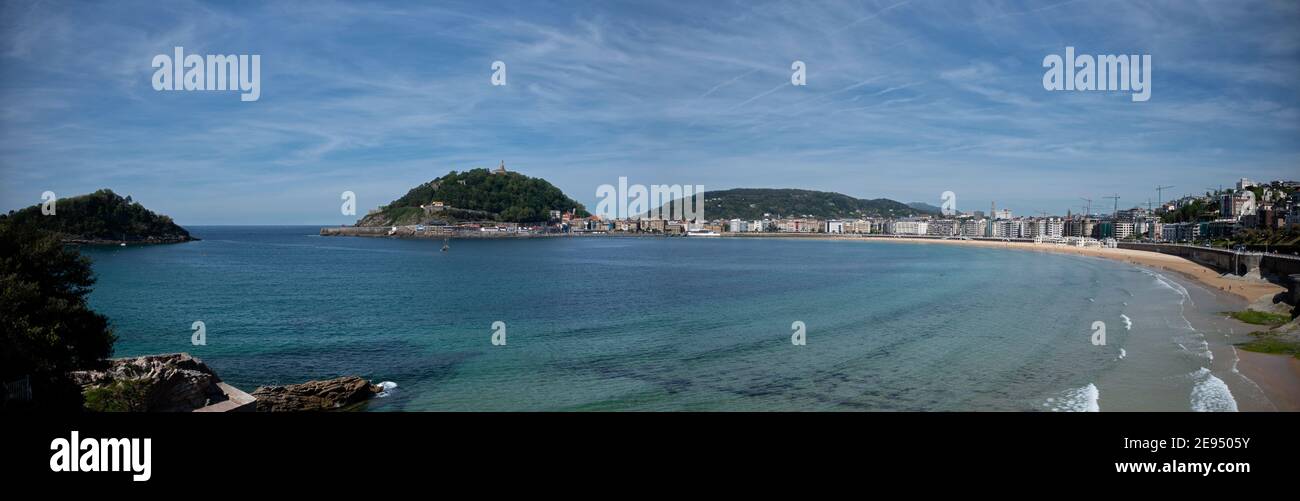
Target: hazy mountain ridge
[(757, 203)]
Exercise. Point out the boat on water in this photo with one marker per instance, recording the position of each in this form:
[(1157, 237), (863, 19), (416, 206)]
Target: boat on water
[(445, 245), (703, 233)]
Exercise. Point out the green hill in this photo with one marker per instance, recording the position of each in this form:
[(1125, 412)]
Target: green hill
[(753, 203), (100, 217), (476, 195)]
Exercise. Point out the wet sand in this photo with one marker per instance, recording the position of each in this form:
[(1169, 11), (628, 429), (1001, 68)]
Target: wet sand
[(1278, 376)]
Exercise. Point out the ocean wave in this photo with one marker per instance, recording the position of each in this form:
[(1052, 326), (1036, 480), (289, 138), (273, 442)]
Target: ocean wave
[(1211, 394), (388, 387), (1122, 353), (1128, 323), (1171, 285), (1082, 399)]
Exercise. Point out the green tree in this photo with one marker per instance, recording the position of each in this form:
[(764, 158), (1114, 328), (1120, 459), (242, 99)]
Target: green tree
[(46, 328)]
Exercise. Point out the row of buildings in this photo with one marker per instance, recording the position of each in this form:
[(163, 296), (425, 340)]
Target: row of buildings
[(1218, 214)]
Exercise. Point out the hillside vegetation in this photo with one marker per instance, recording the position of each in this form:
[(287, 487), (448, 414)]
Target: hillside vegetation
[(477, 195), (754, 203), (100, 217)]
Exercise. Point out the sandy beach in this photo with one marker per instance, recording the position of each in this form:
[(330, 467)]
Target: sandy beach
[(1278, 376)]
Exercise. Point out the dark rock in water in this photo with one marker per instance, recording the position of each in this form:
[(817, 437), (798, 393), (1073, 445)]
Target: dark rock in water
[(324, 395), (175, 382)]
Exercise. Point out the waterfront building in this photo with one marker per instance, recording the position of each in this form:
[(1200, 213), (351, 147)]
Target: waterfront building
[(1220, 228), (799, 225), (1181, 232), (1054, 228), (908, 227), (1006, 228), (974, 227), (858, 226), (943, 227), (1123, 229)]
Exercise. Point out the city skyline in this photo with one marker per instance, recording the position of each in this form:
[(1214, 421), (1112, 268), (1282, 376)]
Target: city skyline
[(894, 106)]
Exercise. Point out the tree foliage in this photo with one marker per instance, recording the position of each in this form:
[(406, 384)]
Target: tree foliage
[(511, 196), (102, 215), (46, 328), (753, 203)]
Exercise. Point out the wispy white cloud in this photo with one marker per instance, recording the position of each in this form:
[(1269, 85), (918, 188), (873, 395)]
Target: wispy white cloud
[(905, 99)]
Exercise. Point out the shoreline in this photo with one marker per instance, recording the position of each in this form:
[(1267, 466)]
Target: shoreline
[(1277, 376)]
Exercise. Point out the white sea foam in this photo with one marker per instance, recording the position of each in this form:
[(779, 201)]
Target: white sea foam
[(1128, 323), (1210, 394), (387, 389), (1171, 285), (1122, 353), (1077, 400)]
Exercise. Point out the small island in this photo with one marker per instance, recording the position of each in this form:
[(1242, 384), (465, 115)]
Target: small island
[(100, 218)]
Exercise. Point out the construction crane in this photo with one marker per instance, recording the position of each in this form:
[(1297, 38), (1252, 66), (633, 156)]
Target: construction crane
[(1115, 197), (1160, 194), (1087, 211)]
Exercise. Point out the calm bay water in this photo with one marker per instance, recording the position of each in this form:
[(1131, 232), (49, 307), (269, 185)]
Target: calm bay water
[(672, 323)]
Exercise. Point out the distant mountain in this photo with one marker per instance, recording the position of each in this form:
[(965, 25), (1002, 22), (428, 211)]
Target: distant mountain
[(476, 195), (99, 218), (753, 203), (926, 208)]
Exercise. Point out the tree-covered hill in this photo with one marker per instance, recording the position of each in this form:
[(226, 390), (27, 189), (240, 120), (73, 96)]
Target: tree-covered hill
[(100, 217), (477, 194), (753, 203)]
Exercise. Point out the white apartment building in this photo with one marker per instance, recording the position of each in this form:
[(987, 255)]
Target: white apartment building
[(1054, 228), (1006, 228), (905, 227), (1124, 230), (834, 226)]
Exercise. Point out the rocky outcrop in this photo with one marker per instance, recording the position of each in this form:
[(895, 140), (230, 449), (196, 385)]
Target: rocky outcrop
[(175, 382), (324, 395)]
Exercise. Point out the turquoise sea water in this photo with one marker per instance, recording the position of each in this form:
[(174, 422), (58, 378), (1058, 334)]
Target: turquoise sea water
[(665, 323)]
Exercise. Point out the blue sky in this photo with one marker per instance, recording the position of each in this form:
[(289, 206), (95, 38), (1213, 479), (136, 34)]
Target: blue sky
[(905, 100)]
